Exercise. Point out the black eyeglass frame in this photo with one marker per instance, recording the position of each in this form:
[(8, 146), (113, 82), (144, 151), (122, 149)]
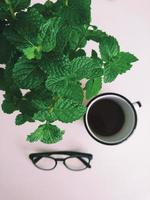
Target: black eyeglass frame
[(35, 157)]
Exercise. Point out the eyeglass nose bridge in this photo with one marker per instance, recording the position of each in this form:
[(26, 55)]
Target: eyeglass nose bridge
[(60, 159)]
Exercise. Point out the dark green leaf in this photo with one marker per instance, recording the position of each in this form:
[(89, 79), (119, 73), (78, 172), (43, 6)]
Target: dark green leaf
[(4, 11), (77, 12), (21, 119), (47, 134), (77, 37), (5, 50), (40, 99), (95, 35), (17, 5), (110, 74), (26, 108), (8, 8), (93, 87), (8, 106), (48, 33), (3, 23), (84, 67), (20, 32), (2, 79), (12, 99), (27, 75), (76, 54), (109, 48), (120, 64), (68, 111), (52, 64)]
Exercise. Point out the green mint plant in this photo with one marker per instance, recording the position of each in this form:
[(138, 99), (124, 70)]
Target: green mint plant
[(42, 51)]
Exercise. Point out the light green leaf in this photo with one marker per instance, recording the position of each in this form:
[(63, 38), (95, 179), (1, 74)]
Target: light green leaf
[(27, 75), (48, 33), (109, 48), (29, 52), (32, 52), (93, 87), (45, 115), (47, 134), (68, 111)]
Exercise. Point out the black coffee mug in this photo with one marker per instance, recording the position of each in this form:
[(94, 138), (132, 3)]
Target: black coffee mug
[(111, 118)]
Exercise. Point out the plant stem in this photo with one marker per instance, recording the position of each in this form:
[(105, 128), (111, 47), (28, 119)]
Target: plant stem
[(66, 2), (10, 8)]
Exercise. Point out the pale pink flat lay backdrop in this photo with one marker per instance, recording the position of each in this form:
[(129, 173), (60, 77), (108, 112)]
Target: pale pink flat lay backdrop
[(119, 172)]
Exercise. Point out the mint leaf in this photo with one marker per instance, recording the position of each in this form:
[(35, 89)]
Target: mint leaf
[(17, 5), (77, 37), (68, 89), (32, 52), (20, 33), (21, 119), (12, 100), (43, 50), (120, 64), (27, 75), (93, 86), (84, 67), (47, 134), (95, 35), (2, 80), (109, 48), (8, 8), (68, 110), (110, 74), (5, 50), (45, 115), (8, 106), (3, 11), (77, 12), (39, 99), (48, 33)]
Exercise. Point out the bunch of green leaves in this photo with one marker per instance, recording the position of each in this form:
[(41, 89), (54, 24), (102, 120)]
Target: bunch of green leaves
[(42, 49)]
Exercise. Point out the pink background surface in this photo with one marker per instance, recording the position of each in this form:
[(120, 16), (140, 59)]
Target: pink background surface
[(119, 172)]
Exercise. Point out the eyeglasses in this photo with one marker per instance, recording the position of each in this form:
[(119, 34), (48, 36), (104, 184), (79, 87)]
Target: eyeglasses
[(75, 161)]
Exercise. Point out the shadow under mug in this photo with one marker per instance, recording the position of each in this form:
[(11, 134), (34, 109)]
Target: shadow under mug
[(130, 119)]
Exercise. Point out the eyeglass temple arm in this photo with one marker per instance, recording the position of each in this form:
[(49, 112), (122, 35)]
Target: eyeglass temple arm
[(84, 162)]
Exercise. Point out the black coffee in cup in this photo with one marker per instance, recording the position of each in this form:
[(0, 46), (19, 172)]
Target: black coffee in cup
[(106, 117), (111, 118)]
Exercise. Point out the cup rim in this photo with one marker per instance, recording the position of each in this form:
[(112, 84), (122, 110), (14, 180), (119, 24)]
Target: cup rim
[(124, 139)]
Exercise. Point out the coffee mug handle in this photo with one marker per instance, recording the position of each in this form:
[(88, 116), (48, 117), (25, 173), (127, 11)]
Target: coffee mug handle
[(137, 104)]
